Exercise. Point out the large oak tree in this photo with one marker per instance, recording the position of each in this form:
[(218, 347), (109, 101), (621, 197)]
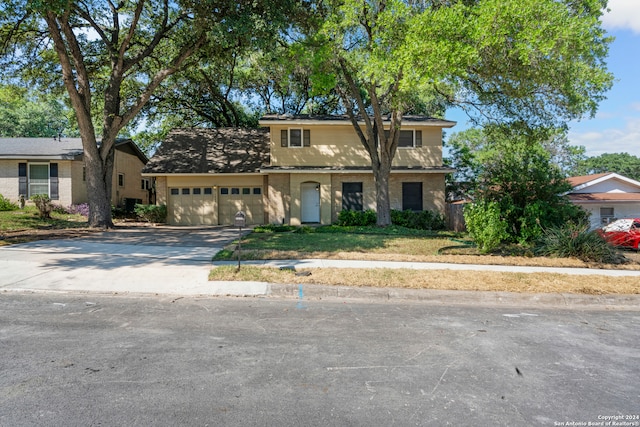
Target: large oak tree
[(534, 63), (113, 55)]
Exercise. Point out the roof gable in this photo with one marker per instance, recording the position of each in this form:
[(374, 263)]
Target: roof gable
[(584, 179), (604, 183), (220, 150)]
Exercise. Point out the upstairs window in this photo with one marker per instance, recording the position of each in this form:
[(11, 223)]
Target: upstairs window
[(295, 137), (409, 138)]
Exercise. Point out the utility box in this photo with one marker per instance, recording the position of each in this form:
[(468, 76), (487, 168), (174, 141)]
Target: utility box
[(240, 220)]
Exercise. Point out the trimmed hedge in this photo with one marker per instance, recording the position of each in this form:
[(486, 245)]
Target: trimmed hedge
[(419, 220)]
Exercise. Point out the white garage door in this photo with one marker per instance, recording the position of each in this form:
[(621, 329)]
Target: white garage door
[(192, 206)]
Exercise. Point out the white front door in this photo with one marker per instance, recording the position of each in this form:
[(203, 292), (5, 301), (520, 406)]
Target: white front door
[(310, 202)]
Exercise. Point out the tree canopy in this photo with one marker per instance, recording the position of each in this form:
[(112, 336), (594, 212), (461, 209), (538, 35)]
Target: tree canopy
[(514, 178), (526, 64), (620, 163), (112, 57), (24, 113), (530, 65)]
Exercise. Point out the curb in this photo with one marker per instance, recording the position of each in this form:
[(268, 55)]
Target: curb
[(309, 292)]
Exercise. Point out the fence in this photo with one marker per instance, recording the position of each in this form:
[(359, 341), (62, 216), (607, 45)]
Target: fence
[(455, 217)]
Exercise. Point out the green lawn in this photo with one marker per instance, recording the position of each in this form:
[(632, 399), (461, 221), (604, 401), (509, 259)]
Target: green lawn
[(28, 218), (333, 240), (393, 244)]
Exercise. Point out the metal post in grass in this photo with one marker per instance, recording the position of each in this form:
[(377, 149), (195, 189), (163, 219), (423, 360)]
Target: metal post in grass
[(240, 221)]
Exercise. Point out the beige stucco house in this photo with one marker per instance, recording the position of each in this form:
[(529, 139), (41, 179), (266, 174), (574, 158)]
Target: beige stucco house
[(606, 197), (295, 170), (54, 166)]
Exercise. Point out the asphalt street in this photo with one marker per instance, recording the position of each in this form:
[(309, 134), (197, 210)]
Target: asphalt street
[(89, 360)]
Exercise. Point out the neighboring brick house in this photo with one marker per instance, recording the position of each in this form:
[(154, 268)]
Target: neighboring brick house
[(606, 196), (54, 166), (302, 169)]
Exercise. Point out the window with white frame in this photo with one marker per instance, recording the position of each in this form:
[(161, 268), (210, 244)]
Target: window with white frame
[(38, 178), (606, 215), (295, 137)]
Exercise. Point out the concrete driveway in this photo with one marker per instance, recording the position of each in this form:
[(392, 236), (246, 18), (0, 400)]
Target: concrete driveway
[(127, 259)]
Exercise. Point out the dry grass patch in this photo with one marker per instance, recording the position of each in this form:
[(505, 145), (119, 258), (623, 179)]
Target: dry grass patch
[(438, 279), (381, 255), (372, 247)]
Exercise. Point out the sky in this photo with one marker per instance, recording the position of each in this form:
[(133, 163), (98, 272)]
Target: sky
[(616, 126)]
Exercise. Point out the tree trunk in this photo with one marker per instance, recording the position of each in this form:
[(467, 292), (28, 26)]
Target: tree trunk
[(99, 183), (383, 202)]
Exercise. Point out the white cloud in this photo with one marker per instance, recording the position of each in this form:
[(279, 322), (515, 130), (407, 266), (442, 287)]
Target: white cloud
[(624, 14), (625, 140)]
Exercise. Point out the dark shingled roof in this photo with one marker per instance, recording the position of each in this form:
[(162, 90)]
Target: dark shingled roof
[(56, 149), (40, 148), (222, 150), (344, 118)]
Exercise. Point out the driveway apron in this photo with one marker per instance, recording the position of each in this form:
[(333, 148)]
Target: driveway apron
[(125, 259)]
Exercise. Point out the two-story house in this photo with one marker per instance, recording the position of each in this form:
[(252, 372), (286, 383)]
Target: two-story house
[(295, 170)]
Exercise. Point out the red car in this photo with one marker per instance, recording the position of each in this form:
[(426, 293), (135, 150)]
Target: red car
[(623, 232)]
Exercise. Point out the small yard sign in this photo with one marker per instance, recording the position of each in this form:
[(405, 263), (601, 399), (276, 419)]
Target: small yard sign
[(240, 219)]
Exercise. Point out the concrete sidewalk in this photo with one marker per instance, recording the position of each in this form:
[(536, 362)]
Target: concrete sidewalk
[(172, 263)]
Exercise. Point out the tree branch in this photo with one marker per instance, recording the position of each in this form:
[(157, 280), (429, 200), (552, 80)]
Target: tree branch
[(368, 141), (84, 14), (159, 78), (80, 95)]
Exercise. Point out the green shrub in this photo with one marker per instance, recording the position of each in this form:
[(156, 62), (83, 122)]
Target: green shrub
[(419, 220), (151, 213), (351, 218), (577, 241), (485, 225), (305, 229), (120, 212), (274, 228), (43, 203), (6, 204)]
